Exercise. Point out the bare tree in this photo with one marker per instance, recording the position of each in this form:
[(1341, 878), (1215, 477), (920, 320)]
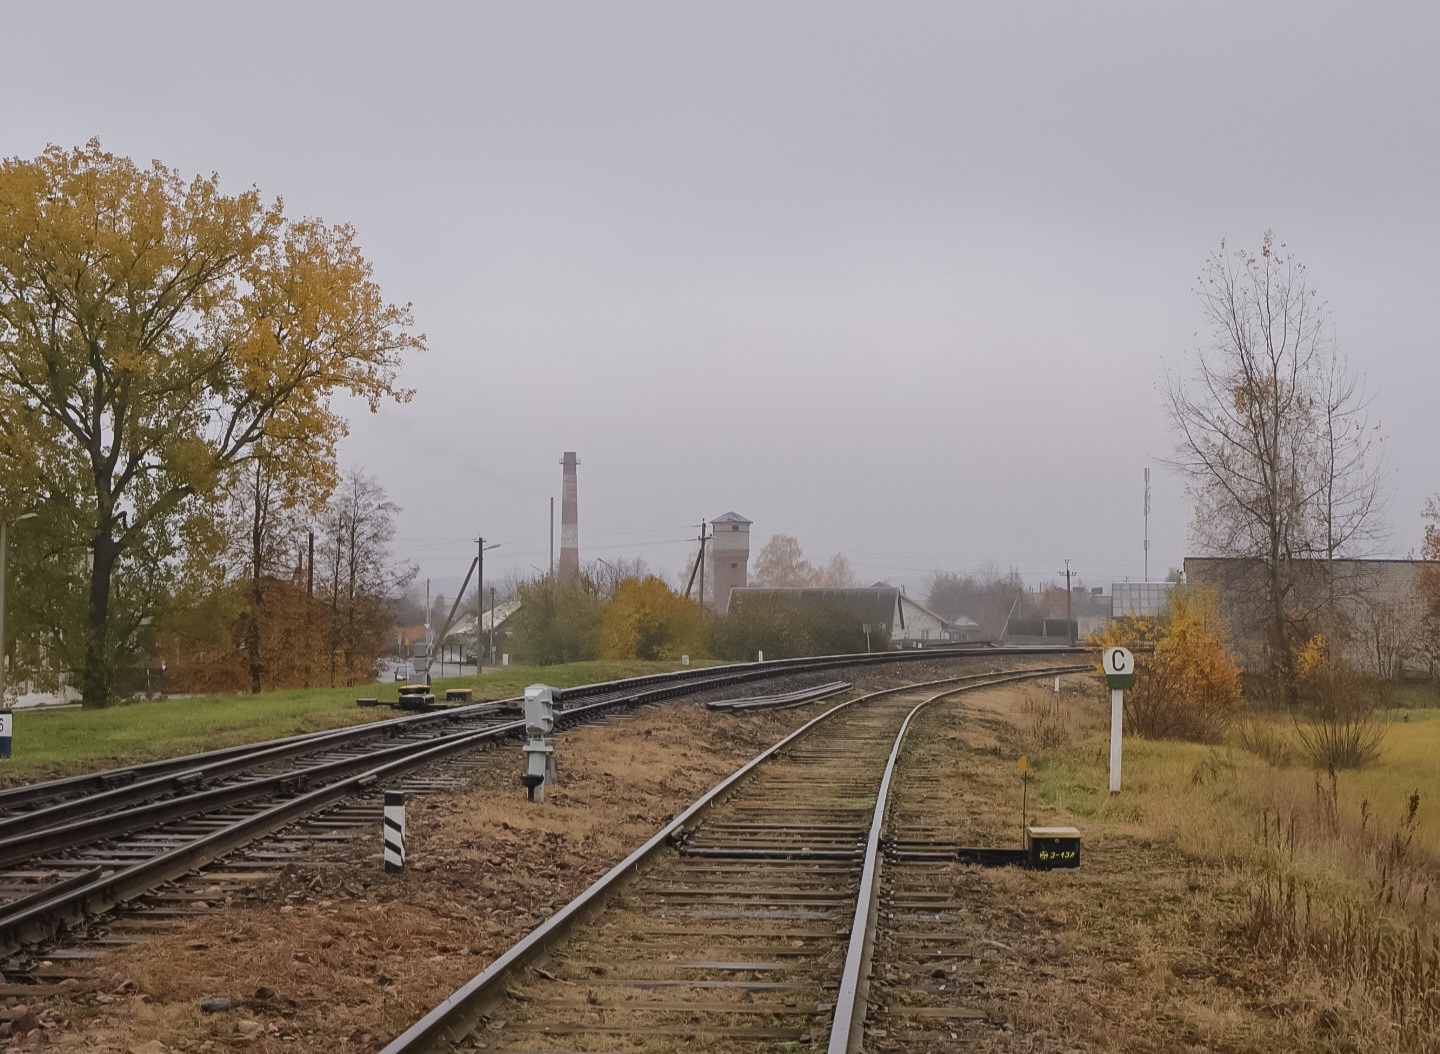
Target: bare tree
[(608, 574), (782, 563), (988, 597), (1273, 434), (357, 531), (266, 516)]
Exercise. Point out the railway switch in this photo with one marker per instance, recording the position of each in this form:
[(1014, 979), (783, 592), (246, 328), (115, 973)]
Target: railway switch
[(539, 749)]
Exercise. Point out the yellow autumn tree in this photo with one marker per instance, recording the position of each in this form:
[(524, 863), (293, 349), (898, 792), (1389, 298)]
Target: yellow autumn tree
[(1188, 685), (649, 620), (155, 333)]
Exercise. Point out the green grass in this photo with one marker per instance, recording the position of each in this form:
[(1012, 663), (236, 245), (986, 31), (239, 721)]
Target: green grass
[(1417, 696), (1211, 798), (51, 743)]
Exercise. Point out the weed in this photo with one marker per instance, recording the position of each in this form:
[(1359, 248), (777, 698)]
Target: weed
[(1381, 950), (1212, 769), (1338, 721), (1047, 727), (1261, 738)]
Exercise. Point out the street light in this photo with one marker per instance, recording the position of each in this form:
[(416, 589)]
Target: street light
[(4, 545)]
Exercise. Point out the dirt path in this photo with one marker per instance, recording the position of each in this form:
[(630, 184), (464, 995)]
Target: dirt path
[(1131, 953)]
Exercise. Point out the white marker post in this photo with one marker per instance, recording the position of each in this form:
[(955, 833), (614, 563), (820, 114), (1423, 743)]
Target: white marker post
[(394, 832), (1119, 667)]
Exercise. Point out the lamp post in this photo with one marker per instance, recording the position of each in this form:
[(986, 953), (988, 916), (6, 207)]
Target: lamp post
[(4, 547)]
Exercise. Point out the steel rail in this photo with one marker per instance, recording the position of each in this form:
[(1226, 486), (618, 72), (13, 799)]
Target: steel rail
[(185, 780), (45, 918), (108, 779), (90, 793), (458, 1013), (31, 845), (781, 701), (38, 838), (121, 786), (43, 913), (847, 1027)]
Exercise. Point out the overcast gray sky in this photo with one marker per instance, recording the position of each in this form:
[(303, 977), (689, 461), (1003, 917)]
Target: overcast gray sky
[(898, 279)]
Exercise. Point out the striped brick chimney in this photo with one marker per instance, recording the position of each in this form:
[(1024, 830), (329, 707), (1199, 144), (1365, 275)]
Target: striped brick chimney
[(569, 520)]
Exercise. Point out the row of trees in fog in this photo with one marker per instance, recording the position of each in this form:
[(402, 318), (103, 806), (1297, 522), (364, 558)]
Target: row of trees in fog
[(299, 597), (619, 610), (644, 618)]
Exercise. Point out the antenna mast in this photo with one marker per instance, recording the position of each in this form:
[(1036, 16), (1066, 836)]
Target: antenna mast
[(1147, 525)]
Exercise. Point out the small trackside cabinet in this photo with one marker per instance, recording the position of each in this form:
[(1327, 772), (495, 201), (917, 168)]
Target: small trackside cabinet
[(1048, 848)]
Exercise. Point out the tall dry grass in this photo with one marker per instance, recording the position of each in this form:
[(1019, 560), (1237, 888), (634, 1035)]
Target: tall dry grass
[(1341, 868), (1378, 946)]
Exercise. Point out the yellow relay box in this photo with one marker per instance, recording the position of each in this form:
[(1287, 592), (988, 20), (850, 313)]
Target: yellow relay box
[(1047, 848)]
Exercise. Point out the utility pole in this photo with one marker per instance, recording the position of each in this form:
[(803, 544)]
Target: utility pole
[(552, 537), (702, 563), (479, 596), (699, 568), (1147, 525), (492, 625), (1069, 624)]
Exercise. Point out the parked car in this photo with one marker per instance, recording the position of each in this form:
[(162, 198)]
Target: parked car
[(404, 673)]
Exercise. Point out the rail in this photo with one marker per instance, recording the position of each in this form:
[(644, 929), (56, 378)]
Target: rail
[(459, 1013)]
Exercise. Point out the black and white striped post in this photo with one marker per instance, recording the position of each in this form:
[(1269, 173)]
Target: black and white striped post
[(394, 831)]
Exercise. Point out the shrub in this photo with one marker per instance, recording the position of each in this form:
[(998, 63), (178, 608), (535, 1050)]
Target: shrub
[(1336, 718), (557, 621), (1262, 739), (649, 620), (1188, 687)]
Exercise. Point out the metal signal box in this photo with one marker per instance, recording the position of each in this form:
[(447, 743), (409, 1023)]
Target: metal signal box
[(539, 750), (1049, 848)]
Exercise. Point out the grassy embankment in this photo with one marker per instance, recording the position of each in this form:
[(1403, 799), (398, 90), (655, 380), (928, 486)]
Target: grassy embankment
[(1341, 870), (68, 741)]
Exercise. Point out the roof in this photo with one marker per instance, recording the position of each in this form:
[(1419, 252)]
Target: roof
[(465, 627), (731, 517), (960, 621), (875, 606)]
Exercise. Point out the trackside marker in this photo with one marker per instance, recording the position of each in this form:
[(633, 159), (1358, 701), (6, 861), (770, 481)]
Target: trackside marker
[(394, 831), (1119, 667)]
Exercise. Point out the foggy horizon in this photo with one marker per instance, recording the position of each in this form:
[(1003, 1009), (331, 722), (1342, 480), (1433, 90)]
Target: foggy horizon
[(903, 283)]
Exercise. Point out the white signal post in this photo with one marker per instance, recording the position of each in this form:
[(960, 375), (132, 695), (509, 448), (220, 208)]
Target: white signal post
[(1119, 667)]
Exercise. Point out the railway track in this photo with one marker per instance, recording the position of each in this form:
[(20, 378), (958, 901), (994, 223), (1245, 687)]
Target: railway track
[(73, 849), (929, 990), (746, 925)]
